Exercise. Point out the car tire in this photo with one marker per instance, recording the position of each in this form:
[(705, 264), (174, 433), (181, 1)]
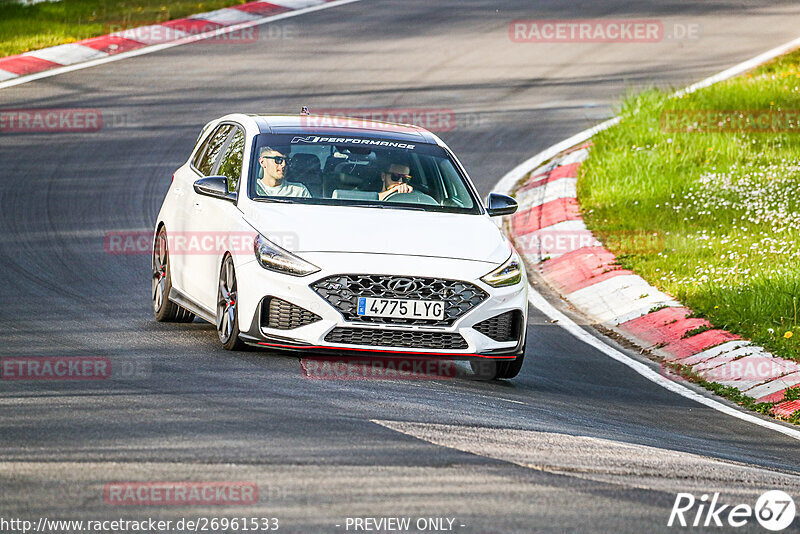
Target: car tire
[(164, 309), (494, 370), (227, 320)]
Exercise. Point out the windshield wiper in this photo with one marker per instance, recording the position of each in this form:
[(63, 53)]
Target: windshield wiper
[(273, 199), (382, 206), (388, 206)]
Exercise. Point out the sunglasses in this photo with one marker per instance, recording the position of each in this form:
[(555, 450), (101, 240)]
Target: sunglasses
[(397, 177), (280, 160)]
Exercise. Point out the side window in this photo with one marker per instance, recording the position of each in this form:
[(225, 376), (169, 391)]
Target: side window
[(207, 155), (230, 165)]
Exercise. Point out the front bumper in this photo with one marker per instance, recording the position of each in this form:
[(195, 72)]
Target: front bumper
[(255, 284)]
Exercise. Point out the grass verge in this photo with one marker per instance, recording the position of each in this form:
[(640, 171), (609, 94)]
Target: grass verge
[(720, 190), (31, 27)]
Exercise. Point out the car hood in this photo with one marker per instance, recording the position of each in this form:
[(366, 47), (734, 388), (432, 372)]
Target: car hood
[(315, 228)]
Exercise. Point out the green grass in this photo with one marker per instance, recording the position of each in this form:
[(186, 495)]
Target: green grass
[(24, 28), (726, 204), (792, 394)]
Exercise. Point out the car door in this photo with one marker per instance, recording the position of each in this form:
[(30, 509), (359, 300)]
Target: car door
[(220, 222), (185, 242)]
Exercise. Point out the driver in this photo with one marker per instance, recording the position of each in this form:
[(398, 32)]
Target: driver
[(272, 183), (395, 180)]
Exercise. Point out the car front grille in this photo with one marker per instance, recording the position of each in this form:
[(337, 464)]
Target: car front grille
[(343, 291), (411, 339), (282, 315), (503, 327)]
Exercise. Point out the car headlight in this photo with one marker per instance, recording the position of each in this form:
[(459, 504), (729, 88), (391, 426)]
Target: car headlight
[(508, 274), (274, 258)]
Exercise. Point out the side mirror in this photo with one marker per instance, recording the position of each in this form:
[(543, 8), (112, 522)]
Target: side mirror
[(214, 186), (500, 205)]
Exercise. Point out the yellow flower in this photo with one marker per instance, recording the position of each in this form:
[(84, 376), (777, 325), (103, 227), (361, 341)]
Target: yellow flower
[(716, 307), (787, 335)]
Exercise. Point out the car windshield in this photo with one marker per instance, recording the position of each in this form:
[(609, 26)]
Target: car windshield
[(358, 171)]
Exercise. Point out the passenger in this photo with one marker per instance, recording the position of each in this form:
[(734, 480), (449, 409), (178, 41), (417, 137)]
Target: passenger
[(272, 183), (395, 180)]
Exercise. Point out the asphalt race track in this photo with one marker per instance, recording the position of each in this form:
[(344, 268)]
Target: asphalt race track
[(576, 443)]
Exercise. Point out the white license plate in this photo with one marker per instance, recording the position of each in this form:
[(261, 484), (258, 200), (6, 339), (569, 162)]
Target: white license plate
[(401, 308)]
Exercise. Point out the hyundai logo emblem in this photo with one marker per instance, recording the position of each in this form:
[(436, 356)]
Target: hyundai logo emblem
[(402, 285)]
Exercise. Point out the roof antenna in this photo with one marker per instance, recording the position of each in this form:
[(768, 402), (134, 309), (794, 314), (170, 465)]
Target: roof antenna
[(304, 111)]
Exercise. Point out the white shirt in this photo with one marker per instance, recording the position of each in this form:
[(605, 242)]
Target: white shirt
[(286, 189)]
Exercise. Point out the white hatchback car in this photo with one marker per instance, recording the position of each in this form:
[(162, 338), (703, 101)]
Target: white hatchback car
[(368, 237)]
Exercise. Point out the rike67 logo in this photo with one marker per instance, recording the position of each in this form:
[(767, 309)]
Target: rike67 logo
[(774, 510)]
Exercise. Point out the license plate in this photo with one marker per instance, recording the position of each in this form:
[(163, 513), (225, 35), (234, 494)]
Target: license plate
[(401, 308)]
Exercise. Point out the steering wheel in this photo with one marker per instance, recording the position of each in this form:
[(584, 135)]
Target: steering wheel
[(414, 197)]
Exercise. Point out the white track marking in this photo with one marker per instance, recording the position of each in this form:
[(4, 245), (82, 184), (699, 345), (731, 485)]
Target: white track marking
[(609, 461), (226, 16), (67, 54), (713, 352), (557, 189), (579, 156), (773, 386), (538, 302), (507, 182), (295, 4), (189, 39), (617, 300)]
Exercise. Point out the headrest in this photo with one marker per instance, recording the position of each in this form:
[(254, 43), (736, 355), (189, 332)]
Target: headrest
[(349, 179), (306, 161)]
